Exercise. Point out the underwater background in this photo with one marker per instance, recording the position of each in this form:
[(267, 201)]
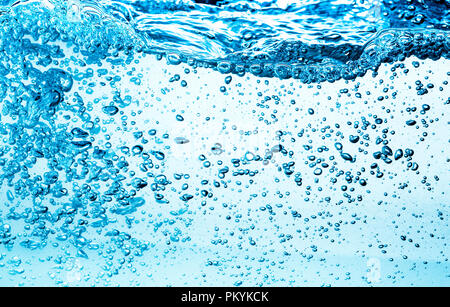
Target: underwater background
[(224, 143)]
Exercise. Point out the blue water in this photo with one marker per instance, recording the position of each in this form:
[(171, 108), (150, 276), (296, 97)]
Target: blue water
[(224, 143)]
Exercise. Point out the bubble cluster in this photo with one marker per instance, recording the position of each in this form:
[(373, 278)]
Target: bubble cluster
[(117, 169)]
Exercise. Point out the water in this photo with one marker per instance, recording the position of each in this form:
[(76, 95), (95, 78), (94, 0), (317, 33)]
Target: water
[(224, 143)]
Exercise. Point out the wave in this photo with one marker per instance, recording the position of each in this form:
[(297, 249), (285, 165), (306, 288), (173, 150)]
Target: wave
[(307, 40)]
